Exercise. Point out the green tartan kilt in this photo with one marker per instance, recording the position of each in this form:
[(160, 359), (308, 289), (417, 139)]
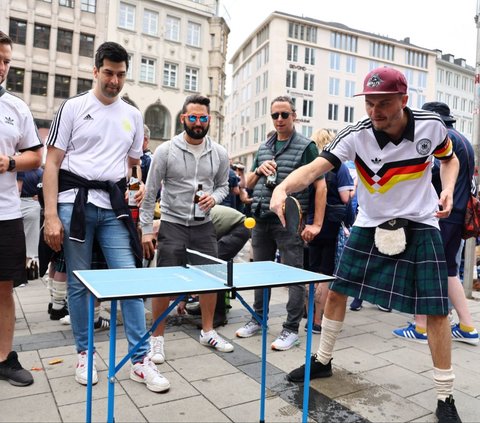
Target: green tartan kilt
[(415, 281)]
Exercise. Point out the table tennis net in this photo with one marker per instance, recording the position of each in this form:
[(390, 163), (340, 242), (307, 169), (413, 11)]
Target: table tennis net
[(208, 264)]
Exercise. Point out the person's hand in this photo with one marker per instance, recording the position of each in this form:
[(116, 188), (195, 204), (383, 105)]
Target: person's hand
[(53, 232), (148, 246), (181, 308), (206, 202), (310, 232), (4, 163), (267, 167), (140, 195), (277, 202), (445, 204)]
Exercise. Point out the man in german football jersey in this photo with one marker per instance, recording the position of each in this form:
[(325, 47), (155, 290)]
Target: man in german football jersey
[(394, 256)]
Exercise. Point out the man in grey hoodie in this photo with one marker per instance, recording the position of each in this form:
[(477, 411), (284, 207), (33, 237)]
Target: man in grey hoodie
[(188, 162)]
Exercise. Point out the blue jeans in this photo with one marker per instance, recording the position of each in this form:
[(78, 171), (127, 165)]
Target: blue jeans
[(266, 238), (112, 236)]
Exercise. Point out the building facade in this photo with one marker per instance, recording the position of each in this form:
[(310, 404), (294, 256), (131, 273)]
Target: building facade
[(176, 48), (321, 65)]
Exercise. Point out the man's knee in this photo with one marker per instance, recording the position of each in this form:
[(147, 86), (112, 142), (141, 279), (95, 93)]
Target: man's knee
[(335, 298)]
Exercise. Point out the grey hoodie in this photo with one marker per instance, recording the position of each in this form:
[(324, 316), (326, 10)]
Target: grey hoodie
[(180, 173)]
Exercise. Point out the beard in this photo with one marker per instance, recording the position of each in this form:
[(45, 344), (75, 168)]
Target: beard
[(195, 134)]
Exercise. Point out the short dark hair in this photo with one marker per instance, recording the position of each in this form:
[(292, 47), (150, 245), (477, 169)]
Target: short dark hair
[(110, 51), (5, 39), (196, 99), (284, 99)]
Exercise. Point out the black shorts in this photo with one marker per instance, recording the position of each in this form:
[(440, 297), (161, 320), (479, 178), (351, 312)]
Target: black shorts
[(452, 238), (12, 251)]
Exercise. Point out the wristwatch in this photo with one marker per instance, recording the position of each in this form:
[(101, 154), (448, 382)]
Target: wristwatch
[(11, 164), (257, 172)]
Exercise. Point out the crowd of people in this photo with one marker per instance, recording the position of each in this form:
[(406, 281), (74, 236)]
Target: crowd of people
[(401, 215)]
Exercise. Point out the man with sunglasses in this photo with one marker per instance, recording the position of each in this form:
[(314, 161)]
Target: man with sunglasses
[(394, 256), (276, 158), (180, 165)]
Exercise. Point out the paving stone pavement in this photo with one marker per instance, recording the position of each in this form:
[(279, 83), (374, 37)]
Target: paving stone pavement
[(377, 377)]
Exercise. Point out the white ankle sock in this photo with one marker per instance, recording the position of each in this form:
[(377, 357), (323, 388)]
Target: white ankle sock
[(443, 379), (59, 294), (330, 331)]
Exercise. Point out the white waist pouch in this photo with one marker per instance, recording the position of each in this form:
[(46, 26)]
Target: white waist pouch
[(391, 237)]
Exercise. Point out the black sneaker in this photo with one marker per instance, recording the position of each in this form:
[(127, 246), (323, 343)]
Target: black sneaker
[(102, 324), (12, 371), (447, 412), (317, 370), (58, 314)]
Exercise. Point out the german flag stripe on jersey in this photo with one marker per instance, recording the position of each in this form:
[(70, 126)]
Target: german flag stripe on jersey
[(390, 174), (444, 150)]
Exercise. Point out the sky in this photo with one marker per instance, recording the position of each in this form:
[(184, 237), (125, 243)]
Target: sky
[(447, 25)]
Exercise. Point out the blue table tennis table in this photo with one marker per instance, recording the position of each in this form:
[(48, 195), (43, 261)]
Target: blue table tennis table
[(113, 285)]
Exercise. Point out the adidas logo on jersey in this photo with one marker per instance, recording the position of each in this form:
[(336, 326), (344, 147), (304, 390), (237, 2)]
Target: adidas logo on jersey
[(88, 117), (376, 160), (8, 120)]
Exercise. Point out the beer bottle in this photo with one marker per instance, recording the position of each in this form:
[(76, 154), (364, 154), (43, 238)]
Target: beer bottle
[(198, 213), (133, 186)]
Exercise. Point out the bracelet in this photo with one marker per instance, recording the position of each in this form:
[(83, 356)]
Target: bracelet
[(256, 172)]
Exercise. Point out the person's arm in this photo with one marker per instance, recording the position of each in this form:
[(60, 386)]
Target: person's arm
[(448, 175), (297, 181), (53, 228), (320, 201)]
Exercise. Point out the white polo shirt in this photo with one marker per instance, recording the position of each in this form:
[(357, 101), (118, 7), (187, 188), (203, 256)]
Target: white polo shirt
[(97, 140), (17, 133), (394, 177)]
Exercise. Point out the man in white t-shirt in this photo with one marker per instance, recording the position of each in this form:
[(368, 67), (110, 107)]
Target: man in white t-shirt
[(394, 256), (95, 139), (20, 149)]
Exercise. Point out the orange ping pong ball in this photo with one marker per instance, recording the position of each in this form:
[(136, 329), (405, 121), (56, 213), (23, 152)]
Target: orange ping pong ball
[(249, 222)]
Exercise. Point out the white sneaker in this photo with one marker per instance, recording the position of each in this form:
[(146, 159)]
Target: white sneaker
[(214, 340), (65, 320), (146, 372), (81, 371), (157, 352), (248, 330), (285, 340)]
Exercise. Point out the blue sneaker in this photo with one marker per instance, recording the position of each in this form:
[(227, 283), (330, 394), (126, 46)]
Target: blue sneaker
[(460, 335), (410, 333), (356, 304)]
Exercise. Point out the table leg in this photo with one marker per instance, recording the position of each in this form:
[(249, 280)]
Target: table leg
[(111, 361), (308, 348), (264, 353), (91, 308)]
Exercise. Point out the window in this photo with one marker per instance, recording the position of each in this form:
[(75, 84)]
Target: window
[(415, 58), (302, 32), (348, 116), (264, 106), (18, 31), (335, 61), (309, 56), (333, 111), (147, 70), (291, 79), (333, 86), (150, 22), (170, 75), (126, 18), (89, 6), (343, 41), (67, 3), (255, 135), (83, 85), (129, 74), (258, 84), (265, 80), (308, 108), (422, 79), (351, 64), (292, 52), (157, 118), (421, 99), (448, 78), (193, 34), (64, 40), (307, 131), (87, 43), (440, 73), (39, 83), (256, 109), (41, 36), (172, 29), (349, 89), (15, 80), (62, 86), (191, 79), (382, 50), (308, 81)]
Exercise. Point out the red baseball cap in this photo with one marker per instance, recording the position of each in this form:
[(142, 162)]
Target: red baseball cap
[(384, 81)]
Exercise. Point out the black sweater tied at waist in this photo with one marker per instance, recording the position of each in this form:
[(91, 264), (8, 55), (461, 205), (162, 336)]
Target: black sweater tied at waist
[(116, 190)]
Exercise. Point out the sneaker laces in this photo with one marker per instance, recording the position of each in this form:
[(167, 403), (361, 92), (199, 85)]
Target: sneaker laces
[(284, 334), (251, 324), (157, 345), (149, 369)]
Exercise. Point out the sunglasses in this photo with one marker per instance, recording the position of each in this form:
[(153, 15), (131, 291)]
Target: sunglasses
[(284, 115), (201, 118)]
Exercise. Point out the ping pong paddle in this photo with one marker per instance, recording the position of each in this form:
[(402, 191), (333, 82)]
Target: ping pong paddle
[(293, 215)]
